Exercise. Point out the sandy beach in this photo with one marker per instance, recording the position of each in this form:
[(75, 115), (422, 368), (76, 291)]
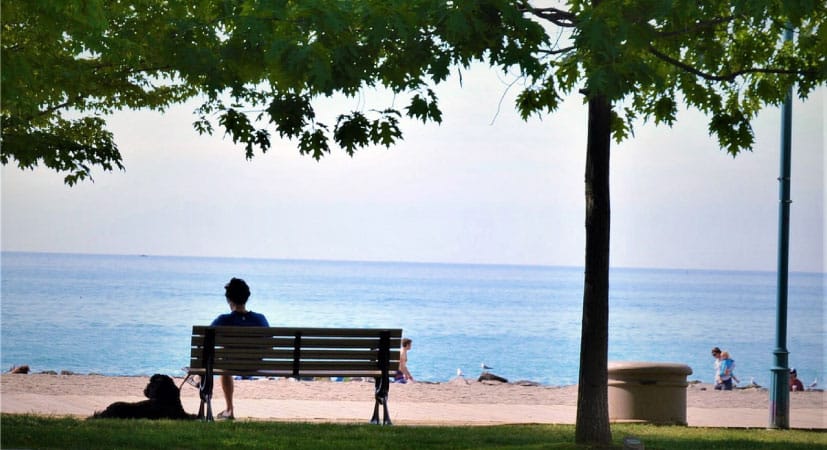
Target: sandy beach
[(458, 402)]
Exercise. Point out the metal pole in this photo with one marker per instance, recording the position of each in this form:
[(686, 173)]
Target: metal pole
[(780, 389)]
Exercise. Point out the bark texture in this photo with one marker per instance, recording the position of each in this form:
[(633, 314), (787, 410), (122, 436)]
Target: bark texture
[(592, 397)]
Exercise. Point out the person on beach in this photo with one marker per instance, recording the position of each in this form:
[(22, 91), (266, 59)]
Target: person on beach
[(403, 375), (716, 353), (237, 293), (724, 374), (795, 383)]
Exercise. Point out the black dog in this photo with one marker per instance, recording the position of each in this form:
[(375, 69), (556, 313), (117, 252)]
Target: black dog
[(164, 403)]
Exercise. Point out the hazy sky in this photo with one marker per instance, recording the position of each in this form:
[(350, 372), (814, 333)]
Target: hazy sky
[(482, 187)]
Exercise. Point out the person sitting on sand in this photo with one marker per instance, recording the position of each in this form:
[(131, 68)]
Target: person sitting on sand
[(237, 293), (19, 369), (795, 383), (403, 375), (724, 377)]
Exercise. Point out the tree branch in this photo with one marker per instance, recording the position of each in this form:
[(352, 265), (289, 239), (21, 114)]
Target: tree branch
[(129, 70), (723, 77), (54, 108), (557, 51), (699, 26), (556, 16), (95, 68)]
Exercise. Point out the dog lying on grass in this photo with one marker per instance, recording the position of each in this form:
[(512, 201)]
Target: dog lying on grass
[(164, 402)]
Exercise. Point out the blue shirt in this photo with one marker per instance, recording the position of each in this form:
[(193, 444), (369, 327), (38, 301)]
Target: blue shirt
[(727, 365), (236, 319)]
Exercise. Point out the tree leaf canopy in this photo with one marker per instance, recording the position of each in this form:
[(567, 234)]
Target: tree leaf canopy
[(257, 64)]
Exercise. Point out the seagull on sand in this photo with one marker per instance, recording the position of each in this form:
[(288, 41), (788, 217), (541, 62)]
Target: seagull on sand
[(459, 379), (813, 384)]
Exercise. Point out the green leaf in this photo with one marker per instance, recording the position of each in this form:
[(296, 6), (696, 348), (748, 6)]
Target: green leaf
[(314, 143), (386, 130), (418, 108), (425, 109), (291, 113), (352, 131), (665, 110), (620, 128)]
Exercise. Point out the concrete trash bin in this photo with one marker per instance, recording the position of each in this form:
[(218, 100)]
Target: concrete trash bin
[(648, 392)]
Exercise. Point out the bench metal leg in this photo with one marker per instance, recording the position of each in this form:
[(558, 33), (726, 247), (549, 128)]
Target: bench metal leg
[(375, 419), (205, 392), (207, 400), (381, 399)]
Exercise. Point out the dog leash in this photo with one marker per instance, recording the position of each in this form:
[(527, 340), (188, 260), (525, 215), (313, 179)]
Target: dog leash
[(189, 379)]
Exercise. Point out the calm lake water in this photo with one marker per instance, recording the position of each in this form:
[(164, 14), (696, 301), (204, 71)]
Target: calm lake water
[(132, 315)]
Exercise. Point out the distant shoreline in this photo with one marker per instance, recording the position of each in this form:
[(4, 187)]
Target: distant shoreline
[(379, 262), (693, 384)]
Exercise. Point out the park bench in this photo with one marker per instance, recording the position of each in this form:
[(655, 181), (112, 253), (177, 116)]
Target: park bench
[(296, 353)]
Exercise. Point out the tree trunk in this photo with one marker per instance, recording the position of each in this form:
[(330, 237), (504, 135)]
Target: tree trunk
[(592, 394)]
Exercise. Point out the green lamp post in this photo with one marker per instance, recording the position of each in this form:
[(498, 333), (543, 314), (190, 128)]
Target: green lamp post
[(780, 391)]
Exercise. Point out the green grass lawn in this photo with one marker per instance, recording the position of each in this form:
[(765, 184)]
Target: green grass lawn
[(25, 431)]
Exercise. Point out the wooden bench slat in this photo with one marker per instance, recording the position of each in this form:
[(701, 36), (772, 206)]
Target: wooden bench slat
[(253, 353), (367, 355), (251, 360), (261, 366), (265, 369), (289, 373), (291, 331), (372, 343), (251, 368), (265, 366), (288, 343), (268, 353)]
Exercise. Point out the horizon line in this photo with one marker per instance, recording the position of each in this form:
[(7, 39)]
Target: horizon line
[(391, 261)]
